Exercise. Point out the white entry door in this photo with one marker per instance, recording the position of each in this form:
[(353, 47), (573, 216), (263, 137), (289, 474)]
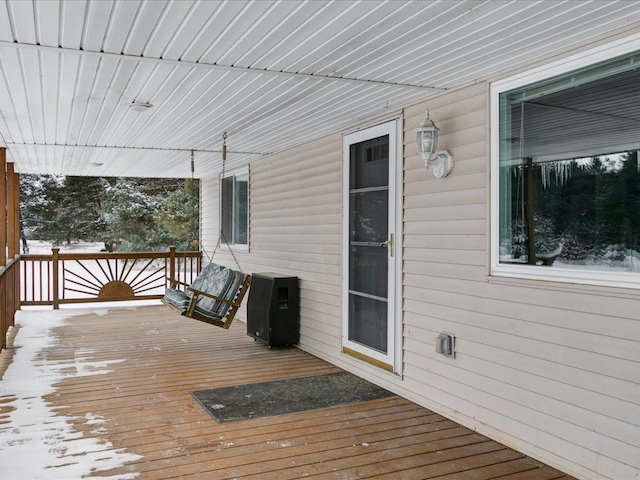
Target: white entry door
[(370, 244)]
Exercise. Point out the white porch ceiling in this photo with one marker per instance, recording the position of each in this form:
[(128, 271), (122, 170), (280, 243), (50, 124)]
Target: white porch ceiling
[(272, 74)]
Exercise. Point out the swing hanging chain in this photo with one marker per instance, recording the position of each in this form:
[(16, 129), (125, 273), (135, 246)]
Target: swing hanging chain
[(224, 153), (221, 237)]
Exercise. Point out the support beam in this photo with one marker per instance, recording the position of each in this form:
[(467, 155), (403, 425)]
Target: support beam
[(214, 66), (139, 149), (13, 212)]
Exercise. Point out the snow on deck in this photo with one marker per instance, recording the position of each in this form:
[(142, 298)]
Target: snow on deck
[(36, 442)]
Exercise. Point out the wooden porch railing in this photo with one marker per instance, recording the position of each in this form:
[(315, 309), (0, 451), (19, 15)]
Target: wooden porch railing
[(61, 278), (9, 297)]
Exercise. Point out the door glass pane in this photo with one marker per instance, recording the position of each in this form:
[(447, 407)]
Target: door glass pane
[(369, 217), (370, 163), (368, 270), (368, 322), (368, 228)]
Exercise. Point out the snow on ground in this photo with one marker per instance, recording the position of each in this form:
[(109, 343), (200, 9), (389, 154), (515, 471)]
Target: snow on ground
[(35, 442), (39, 247)]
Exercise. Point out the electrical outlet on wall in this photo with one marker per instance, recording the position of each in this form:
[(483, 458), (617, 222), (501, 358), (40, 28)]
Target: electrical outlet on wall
[(445, 345)]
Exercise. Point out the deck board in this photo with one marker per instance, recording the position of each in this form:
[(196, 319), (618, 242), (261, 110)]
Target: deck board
[(155, 358)]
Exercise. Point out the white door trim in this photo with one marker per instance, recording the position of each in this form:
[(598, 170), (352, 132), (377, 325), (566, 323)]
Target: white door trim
[(392, 360)]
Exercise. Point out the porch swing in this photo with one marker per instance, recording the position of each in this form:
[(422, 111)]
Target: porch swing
[(217, 292)]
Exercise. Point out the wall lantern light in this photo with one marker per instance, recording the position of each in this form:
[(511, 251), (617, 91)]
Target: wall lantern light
[(427, 141)]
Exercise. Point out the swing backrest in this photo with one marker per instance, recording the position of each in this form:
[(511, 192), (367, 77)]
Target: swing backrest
[(219, 281)]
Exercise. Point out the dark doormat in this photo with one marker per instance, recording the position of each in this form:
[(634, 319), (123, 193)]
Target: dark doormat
[(254, 400)]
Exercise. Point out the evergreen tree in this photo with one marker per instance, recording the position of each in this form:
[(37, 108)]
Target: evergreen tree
[(61, 209), (138, 214), (180, 216), (37, 204)]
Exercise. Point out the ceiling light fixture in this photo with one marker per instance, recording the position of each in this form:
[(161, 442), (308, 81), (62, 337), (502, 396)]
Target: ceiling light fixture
[(140, 106)]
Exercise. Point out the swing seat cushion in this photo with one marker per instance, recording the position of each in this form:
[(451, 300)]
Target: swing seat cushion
[(215, 280)]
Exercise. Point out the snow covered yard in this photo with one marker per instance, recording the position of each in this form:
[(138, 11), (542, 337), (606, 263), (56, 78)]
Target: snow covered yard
[(40, 247)]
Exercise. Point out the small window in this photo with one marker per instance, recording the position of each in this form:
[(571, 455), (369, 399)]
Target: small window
[(234, 207), (567, 177)]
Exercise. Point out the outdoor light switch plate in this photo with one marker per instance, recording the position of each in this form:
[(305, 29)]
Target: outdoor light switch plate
[(445, 345)]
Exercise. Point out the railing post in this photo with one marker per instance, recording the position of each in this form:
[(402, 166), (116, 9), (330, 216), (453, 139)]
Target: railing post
[(3, 207), (16, 288), (55, 277), (4, 324), (172, 266), (13, 211)]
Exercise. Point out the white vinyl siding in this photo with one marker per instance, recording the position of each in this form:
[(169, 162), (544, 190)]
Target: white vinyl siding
[(550, 369), (295, 227)]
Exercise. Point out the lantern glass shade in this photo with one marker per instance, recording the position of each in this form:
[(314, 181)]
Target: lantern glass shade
[(427, 138)]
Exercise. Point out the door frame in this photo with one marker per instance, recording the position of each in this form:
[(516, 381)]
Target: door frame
[(393, 360)]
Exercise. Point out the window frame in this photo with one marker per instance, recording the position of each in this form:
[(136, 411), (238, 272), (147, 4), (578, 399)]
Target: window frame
[(581, 60), (234, 173)]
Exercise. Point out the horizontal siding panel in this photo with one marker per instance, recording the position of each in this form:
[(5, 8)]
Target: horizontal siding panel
[(532, 391), (458, 271), (527, 337), (452, 183), (297, 211), (446, 212), (320, 330), (464, 111), (259, 246), (462, 242), (486, 393), (310, 187), (297, 175), (462, 257), (320, 150), (328, 309), (308, 259), (464, 197), (453, 122), (484, 410), (295, 239), (526, 298), (297, 202), (537, 357), (529, 439), (475, 300), (293, 230), (444, 227), (326, 294), (456, 97)]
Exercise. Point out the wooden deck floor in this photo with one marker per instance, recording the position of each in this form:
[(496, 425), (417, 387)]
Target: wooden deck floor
[(155, 358)]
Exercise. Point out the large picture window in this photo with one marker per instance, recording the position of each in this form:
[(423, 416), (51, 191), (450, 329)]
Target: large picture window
[(234, 208), (567, 177)]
